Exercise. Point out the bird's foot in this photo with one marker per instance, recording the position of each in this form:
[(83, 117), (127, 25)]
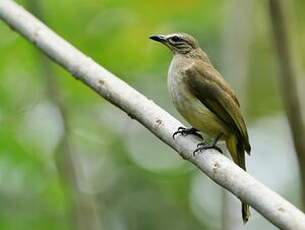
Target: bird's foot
[(204, 146), (186, 131)]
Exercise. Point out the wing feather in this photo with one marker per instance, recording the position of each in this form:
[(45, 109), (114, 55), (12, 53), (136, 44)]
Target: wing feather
[(210, 88)]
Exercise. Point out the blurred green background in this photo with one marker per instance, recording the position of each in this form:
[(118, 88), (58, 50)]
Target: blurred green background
[(71, 160)]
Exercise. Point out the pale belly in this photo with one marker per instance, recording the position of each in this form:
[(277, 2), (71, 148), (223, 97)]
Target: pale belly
[(192, 109)]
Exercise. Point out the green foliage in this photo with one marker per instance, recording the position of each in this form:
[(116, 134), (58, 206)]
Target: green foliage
[(134, 186)]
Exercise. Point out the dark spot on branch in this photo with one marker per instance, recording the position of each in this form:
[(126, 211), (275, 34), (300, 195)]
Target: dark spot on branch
[(158, 123), (75, 71), (35, 36), (215, 167), (281, 209), (101, 82)]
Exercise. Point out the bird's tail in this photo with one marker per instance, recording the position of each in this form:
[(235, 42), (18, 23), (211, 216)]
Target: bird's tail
[(237, 152)]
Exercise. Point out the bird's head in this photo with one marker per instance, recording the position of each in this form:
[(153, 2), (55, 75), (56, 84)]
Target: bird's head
[(180, 43)]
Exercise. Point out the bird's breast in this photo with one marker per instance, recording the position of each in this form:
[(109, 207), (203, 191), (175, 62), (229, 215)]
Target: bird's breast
[(189, 106)]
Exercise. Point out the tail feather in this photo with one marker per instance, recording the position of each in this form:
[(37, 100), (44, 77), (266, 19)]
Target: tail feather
[(237, 152), (241, 161), (245, 211)]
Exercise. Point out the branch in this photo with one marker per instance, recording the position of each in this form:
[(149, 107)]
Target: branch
[(219, 168), (288, 83)]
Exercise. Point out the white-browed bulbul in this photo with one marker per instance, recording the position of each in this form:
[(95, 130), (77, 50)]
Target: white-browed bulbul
[(205, 100)]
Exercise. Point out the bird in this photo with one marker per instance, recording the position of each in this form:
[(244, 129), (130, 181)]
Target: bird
[(205, 100)]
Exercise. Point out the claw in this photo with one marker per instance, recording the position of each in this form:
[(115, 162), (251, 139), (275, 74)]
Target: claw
[(180, 130), (203, 146), (175, 133), (186, 131)]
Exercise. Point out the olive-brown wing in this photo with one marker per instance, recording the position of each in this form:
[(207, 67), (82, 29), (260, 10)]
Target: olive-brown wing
[(213, 94)]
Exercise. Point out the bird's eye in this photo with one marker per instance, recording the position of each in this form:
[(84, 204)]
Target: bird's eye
[(176, 39)]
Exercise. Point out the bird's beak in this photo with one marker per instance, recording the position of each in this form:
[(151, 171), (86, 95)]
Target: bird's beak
[(158, 38)]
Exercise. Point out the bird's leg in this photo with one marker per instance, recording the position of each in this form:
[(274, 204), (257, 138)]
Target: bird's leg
[(204, 146), (186, 131)]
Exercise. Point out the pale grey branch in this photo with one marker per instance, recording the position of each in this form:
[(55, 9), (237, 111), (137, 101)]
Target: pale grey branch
[(219, 168)]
